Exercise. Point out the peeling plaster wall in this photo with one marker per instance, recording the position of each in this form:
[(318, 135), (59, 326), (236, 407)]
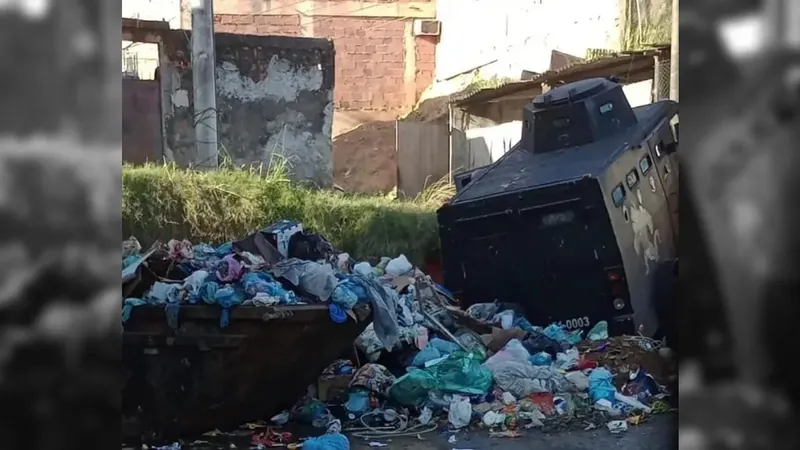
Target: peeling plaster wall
[(274, 95)]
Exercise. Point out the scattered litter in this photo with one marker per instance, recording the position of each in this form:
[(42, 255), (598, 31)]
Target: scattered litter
[(493, 419), (599, 331), (617, 426), (505, 434), (487, 365), (173, 446), (426, 416), (329, 441), (460, 412)]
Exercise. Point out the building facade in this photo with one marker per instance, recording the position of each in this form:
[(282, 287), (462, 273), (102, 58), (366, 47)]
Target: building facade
[(382, 66)]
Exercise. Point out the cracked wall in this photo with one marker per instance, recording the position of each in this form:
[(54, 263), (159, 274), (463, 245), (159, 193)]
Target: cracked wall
[(274, 96)]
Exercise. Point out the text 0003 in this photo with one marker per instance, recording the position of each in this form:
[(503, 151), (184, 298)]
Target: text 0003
[(571, 324)]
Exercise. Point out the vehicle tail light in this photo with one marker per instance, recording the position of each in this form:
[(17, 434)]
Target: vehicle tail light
[(617, 283)]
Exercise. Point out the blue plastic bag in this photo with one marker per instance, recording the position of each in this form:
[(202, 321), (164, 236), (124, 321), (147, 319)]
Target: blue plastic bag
[(227, 297), (128, 306), (357, 402), (601, 385), (337, 314), (225, 249), (556, 333), (541, 359), (344, 296), (429, 353), (208, 292), (333, 441), (444, 347), (599, 331)]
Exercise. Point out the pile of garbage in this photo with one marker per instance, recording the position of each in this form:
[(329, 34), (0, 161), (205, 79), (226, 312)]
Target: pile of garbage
[(280, 265), (501, 373)]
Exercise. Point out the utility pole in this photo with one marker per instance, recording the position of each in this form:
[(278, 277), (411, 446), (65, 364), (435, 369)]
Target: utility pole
[(673, 59), (205, 100)]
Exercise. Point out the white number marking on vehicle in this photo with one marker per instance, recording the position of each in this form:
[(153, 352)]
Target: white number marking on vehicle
[(573, 324)]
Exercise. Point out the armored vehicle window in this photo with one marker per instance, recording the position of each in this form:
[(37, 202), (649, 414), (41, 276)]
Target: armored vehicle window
[(632, 178), (618, 194), (645, 164), (606, 107)]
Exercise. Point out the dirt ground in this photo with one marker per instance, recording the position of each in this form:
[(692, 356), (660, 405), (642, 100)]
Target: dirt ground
[(364, 158)]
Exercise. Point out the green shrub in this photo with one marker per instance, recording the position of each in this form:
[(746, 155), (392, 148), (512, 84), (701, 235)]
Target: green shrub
[(161, 202)]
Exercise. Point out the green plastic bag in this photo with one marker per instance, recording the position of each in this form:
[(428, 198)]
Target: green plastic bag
[(462, 373), (412, 388)]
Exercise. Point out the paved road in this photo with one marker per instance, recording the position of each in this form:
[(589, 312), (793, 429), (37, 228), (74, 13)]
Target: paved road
[(660, 433)]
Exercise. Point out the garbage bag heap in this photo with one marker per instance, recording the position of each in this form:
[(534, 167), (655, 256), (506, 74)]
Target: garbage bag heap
[(281, 265), (489, 366)]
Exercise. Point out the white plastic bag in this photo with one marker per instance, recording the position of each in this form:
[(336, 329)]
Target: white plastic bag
[(493, 419), (578, 380), (399, 266), (460, 412), (568, 359), (363, 268), (517, 350)]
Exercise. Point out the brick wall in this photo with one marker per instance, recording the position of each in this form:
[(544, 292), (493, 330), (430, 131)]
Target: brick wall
[(369, 62), (259, 25), (426, 62), (371, 52)]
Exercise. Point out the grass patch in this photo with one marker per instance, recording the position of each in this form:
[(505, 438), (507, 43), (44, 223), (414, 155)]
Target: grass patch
[(161, 202)]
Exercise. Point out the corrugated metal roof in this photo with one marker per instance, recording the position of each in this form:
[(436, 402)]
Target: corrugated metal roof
[(628, 66)]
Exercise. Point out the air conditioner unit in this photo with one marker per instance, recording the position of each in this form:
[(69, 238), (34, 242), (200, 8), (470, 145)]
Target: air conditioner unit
[(427, 27)]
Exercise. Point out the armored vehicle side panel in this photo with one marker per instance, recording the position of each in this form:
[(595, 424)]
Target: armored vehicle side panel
[(640, 179)]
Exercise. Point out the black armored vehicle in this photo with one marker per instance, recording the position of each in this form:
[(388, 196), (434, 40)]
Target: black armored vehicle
[(577, 222)]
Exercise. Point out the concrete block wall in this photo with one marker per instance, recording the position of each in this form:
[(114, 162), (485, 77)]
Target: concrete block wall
[(274, 95)]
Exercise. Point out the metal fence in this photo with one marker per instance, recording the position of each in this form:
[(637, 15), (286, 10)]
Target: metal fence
[(130, 63), (661, 79)]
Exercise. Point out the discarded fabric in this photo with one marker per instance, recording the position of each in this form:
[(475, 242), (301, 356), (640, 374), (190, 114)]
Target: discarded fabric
[(312, 277)]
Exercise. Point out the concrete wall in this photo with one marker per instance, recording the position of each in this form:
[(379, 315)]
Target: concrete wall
[(166, 10), (274, 95), (520, 34), (381, 67), (147, 53)]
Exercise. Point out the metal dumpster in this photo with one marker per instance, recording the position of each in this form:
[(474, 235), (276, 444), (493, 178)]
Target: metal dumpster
[(199, 377)]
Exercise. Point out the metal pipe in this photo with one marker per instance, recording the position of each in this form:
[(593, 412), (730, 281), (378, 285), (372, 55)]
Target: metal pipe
[(205, 100)]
